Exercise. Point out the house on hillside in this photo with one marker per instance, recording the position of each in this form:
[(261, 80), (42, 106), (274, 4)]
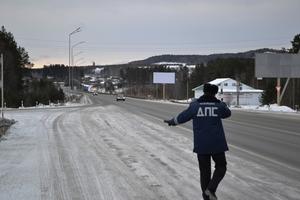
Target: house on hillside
[(228, 92)]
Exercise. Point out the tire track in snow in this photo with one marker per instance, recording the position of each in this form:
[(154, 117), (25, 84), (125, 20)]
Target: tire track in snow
[(153, 169), (71, 184), (134, 189), (113, 167)]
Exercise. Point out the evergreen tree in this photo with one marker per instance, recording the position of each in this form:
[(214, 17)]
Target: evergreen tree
[(295, 44), (269, 94), (15, 58), (42, 91), (198, 76)]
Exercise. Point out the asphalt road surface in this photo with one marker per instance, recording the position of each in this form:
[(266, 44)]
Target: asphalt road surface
[(270, 139), (123, 151), (274, 138)]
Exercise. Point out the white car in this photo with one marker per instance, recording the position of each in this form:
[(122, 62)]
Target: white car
[(120, 97)]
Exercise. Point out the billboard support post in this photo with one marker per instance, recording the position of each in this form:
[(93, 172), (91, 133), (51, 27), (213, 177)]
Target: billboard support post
[(278, 65), (164, 91), (284, 88), (278, 91), (156, 91)]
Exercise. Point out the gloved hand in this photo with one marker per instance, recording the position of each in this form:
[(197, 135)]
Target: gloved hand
[(170, 122)]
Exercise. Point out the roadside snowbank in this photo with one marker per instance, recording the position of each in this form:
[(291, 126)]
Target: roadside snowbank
[(83, 100), (264, 108), (271, 108)]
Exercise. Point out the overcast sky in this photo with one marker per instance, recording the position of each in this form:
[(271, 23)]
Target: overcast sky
[(118, 31)]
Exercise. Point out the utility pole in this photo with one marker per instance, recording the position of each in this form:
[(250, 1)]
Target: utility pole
[(187, 89), (237, 91), (70, 59), (187, 85), (293, 94), (2, 86)]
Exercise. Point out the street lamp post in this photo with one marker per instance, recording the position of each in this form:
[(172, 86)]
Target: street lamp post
[(2, 86), (82, 62), (187, 85), (73, 32), (78, 53), (72, 56), (77, 61), (72, 60)]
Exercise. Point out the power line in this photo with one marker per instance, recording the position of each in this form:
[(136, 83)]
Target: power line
[(192, 43), (38, 39)]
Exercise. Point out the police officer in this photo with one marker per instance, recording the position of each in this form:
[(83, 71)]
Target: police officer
[(209, 137)]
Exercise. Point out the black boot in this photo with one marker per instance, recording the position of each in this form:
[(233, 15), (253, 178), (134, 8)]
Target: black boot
[(205, 197), (212, 195)]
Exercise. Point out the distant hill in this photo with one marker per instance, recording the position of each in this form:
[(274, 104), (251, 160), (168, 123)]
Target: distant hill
[(197, 59), (114, 70)]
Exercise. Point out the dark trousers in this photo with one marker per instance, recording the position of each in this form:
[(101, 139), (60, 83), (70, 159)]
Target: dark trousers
[(207, 181)]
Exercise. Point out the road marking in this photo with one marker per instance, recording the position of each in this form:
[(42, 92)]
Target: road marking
[(254, 154), (264, 158), (161, 102), (153, 117), (240, 149), (263, 127)]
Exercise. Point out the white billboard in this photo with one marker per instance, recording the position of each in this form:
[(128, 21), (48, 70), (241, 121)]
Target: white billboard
[(164, 77), (271, 65)]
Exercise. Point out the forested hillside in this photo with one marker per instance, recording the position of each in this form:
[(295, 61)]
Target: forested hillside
[(197, 59)]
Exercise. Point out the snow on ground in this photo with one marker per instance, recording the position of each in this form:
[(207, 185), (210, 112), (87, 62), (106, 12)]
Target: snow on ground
[(92, 154), (271, 108), (84, 100), (109, 153)]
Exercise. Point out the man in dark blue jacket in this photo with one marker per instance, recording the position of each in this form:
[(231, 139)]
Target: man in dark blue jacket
[(209, 137)]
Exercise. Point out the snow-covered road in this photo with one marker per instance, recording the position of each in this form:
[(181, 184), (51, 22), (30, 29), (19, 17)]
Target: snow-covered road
[(106, 152)]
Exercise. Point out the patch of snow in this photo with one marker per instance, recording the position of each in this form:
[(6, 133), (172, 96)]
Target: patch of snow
[(170, 63), (184, 101), (84, 100), (218, 81), (269, 108), (175, 65), (98, 70)]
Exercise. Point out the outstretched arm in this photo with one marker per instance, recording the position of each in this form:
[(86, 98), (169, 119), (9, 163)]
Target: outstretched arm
[(182, 117)]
